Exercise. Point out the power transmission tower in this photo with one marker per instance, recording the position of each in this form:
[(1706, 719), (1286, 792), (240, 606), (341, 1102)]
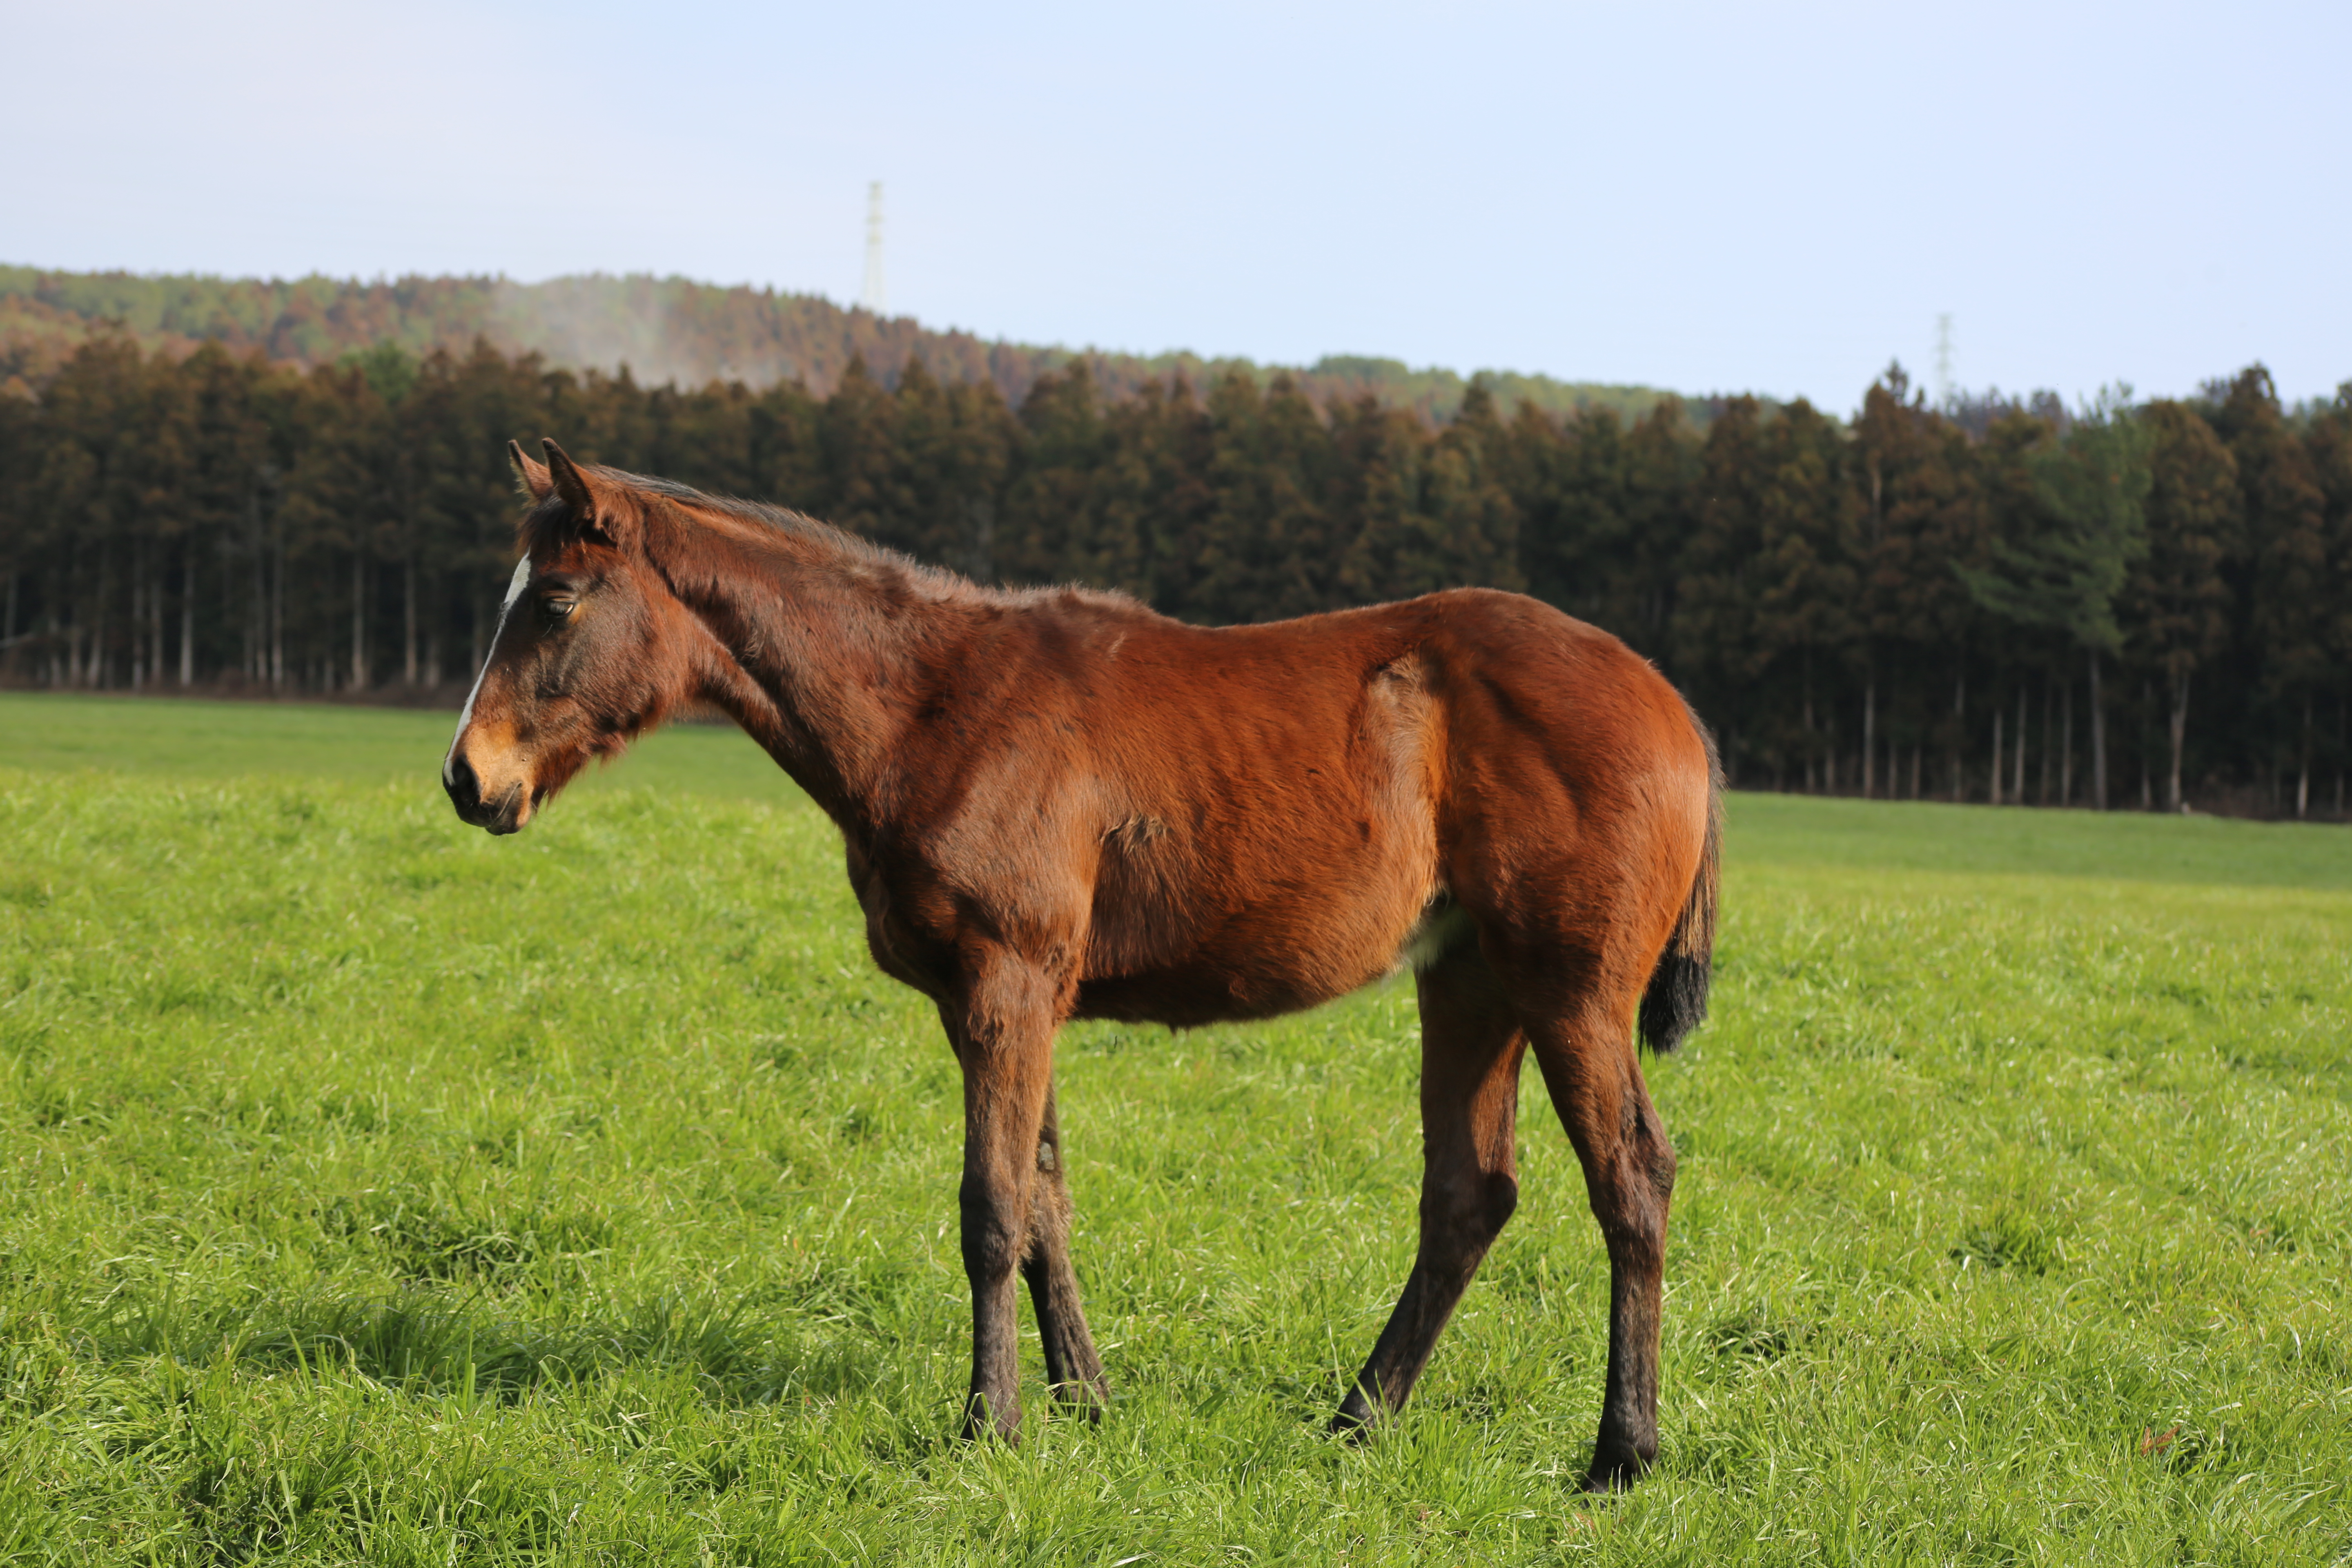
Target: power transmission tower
[(1943, 355), (873, 296)]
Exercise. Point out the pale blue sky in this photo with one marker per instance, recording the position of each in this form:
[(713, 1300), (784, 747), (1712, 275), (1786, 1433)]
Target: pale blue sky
[(1701, 196)]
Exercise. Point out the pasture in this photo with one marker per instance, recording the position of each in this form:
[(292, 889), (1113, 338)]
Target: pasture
[(372, 1189)]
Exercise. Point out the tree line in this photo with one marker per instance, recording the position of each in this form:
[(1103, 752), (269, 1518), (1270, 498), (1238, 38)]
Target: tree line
[(2124, 605)]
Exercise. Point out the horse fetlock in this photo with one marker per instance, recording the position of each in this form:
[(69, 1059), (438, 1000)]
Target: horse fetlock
[(1359, 1417), (1083, 1392), (1615, 1472), (992, 1414)]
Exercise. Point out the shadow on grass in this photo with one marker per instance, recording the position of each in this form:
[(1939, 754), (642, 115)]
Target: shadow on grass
[(735, 1354)]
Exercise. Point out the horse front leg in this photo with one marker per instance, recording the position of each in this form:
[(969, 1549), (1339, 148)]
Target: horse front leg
[(1002, 1028), (1072, 1369)]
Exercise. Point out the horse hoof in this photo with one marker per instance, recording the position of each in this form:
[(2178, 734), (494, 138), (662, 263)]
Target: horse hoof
[(1081, 1402), (979, 1425), (1616, 1474)]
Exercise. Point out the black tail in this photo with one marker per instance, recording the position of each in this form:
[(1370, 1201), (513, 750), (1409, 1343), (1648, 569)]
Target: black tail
[(1676, 1002)]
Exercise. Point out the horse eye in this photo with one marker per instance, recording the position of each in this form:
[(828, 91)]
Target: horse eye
[(559, 609)]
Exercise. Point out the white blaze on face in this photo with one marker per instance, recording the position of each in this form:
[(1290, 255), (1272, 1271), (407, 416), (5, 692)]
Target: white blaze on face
[(466, 715)]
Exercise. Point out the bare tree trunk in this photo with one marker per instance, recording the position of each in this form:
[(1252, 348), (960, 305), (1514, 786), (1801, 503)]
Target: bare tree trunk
[(2178, 726), (277, 618), (408, 624), (156, 596), (2049, 743), (1811, 759), (1994, 793), (95, 675), (188, 613), (1869, 733), (2303, 768), (2017, 794), (1959, 727), (1918, 749), (138, 622), (359, 622), (2098, 739), (257, 601), (2067, 757)]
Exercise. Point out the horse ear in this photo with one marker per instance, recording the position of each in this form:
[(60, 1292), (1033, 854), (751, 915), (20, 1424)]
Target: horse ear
[(570, 483), (595, 518), (533, 474)]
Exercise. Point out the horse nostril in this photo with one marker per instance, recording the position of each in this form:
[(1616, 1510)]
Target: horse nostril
[(464, 789)]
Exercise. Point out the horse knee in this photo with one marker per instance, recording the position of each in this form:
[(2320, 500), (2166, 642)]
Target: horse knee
[(1464, 1217), (995, 1227), (1661, 1162), (1631, 1197), (1501, 1202)]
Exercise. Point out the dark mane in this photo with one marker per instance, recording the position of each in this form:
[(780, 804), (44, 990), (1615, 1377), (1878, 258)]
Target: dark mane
[(548, 523)]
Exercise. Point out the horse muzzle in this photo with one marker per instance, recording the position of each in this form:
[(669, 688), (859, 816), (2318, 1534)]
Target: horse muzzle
[(503, 814)]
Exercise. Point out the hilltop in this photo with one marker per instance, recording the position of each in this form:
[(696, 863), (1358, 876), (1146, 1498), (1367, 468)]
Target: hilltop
[(662, 330)]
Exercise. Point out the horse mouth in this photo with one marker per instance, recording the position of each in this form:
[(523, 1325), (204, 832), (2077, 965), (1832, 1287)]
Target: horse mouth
[(505, 814)]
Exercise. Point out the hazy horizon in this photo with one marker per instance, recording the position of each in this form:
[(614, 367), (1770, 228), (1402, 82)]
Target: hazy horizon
[(1713, 199)]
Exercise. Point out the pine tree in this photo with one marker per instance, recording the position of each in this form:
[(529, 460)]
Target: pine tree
[(2286, 537), (1428, 514), (2092, 486), (1920, 515), (1269, 548), (2176, 604), (1717, 643), (2328, 441)]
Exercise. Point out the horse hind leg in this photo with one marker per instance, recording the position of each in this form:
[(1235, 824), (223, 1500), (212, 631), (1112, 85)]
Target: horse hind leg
[(1586, 1054), (1471, 1047), (1072, 1369)]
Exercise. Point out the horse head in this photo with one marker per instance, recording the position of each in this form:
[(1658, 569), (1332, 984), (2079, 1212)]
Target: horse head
[(591, 650)]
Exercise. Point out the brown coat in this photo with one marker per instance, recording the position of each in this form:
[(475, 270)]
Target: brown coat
[(1058, 803)]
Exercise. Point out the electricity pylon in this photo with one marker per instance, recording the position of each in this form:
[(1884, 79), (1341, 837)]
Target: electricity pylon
[(873, 296)]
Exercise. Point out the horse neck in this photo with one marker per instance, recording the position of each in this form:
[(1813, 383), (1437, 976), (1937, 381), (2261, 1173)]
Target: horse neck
[(829, 650)]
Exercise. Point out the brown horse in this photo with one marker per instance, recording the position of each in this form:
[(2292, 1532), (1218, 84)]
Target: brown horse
[(1059, 804)]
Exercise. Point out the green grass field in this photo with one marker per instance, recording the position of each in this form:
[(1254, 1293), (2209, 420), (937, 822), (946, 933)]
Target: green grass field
[(372, 1190)]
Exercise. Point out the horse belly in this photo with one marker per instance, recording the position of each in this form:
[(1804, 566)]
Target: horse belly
[(1272, 864), (1332, 918)]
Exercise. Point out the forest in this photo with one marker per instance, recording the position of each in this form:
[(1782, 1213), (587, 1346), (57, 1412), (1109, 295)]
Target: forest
[(2126, 604)]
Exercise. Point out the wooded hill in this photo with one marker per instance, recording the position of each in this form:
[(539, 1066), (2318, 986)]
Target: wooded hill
[(663, 329)]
